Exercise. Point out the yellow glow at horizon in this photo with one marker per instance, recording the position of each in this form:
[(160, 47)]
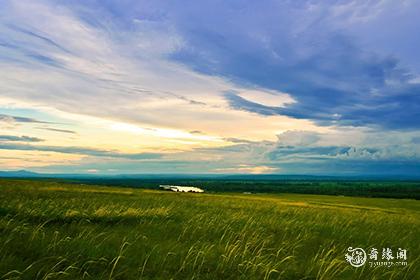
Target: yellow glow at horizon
[(16, 159), (214, 124), (249, 169), (164, 133)]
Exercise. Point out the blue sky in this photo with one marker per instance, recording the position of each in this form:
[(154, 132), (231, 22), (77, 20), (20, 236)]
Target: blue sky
[(308, 87)]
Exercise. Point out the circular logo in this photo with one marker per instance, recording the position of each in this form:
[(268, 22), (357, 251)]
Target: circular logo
[(356, 257)]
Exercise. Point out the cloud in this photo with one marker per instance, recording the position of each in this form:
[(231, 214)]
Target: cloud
[(307, 152), (58, 130), (240, 103), (127, 62), (17, 119), (196, 132), (238, 140), (45, 39), (298, 138), (353, 167), (307, 54), (20, 138), (320, 152), (80, 151), (415, 140), (11, 121), (334, 85), (116, 71)]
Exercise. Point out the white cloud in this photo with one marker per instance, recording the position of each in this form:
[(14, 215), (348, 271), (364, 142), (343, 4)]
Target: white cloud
[(65, 64), (298, 138)]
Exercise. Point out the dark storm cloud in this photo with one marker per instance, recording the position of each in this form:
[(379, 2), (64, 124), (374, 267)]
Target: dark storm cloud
[(331, 77)]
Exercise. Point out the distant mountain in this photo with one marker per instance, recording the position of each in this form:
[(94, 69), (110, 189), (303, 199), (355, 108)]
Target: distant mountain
[(30, 174), (19, 173), (229, 177)]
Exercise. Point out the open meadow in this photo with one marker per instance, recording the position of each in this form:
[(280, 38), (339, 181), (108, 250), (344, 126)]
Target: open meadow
[(51, 230)]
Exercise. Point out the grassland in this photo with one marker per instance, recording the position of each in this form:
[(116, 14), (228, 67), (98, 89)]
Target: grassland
[(51, 230), (272, 184)]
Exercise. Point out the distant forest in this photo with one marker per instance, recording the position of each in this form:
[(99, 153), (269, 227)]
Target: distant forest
[(363, 188)]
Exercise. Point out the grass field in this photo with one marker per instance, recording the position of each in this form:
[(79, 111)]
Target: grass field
[(52, 230)]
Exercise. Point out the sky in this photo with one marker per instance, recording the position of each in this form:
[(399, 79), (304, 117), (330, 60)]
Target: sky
[(221, 86)]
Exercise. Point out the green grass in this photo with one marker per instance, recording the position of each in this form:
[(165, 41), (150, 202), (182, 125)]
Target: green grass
[(52, 230), (269, 184)]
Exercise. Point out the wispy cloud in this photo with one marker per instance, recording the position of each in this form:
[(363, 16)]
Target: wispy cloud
[(17, 119), (20, 138), (308, 54), (120, 66), (58, 130), (80, 151)]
